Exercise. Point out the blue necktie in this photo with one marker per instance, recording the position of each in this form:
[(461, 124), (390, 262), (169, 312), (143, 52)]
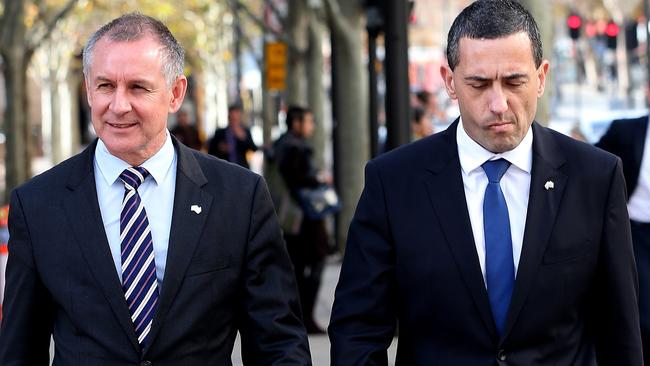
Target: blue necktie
[(499, 265), (139, 281)]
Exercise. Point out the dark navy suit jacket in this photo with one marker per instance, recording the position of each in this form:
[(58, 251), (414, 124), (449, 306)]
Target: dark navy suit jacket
[(411, 262), (227, 271)]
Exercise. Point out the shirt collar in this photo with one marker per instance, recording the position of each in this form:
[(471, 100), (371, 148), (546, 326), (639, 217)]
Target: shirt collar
[(158, 165), (472, 155)]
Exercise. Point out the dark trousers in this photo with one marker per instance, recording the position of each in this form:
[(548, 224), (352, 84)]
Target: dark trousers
[(641, 242), (307, 251)]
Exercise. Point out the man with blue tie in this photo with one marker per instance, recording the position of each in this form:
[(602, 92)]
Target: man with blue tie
[(140, 250), (497, 241)]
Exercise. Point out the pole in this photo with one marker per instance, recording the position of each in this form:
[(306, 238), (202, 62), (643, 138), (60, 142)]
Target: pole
[(397, 83)]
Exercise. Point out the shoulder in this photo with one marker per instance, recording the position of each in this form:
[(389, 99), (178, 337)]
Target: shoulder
[(427, 152), (49, 184), (222, 173), (579, 155)]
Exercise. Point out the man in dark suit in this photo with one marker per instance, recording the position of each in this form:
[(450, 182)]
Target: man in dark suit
[(233, 143), (629, 139), (140, 250), (497, 241)]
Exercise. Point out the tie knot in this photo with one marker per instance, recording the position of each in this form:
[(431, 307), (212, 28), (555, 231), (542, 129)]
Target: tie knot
[(495, 169), (133, 177)]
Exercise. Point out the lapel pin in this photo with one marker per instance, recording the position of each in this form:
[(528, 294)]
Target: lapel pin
[(196, 209), (549, 185)]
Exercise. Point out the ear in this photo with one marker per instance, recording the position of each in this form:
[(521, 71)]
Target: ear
[(179, 88), (448, 77), (541, 77)]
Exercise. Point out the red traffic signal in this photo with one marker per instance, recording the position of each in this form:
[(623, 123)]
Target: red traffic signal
[(611, 31), (574, 22)]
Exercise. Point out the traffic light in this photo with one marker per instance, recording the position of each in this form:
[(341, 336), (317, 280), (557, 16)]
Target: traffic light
[(574, 22), (611, 32)]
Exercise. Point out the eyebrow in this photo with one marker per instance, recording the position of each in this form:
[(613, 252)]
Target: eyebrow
[(483, 79), (136, 81)]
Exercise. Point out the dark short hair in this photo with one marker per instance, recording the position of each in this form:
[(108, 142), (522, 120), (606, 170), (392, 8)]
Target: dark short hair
[(423, 97), (417, 113), (132, 27), (235, 107), (295, 114), (492, 19)]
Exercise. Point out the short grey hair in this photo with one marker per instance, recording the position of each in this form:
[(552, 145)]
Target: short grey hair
[(135, 26)]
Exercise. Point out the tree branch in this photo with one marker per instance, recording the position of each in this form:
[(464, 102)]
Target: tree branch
[(34, 39), (236, 4), (335, 17), (276, 12)]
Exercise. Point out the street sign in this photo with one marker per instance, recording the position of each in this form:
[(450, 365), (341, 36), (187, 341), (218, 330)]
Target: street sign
[(276, 66)]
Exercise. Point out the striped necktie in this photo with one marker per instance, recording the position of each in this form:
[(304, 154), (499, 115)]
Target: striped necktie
[(138, 267)]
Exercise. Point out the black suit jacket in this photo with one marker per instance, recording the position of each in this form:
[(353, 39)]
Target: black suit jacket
[(218, 146), (626, 139), (227, 270), (411, 259)]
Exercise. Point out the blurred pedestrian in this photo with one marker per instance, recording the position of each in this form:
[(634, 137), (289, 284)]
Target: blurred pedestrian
[(140, 250), (309, 246), (497, 241), (429, 104), (185, 131), (234, 142), (420, 125), (630, 140)]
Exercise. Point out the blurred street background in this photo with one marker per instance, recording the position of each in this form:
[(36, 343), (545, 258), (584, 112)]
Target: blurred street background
[(364, 67)]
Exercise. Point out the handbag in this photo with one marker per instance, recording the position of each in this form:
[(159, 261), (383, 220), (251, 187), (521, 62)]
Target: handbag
[(319, 202)]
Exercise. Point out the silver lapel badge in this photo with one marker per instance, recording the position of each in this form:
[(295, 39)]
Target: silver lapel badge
[(549, 185), (196, 209)]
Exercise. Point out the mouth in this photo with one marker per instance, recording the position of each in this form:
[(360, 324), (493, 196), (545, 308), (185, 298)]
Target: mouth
[(499, 126), (121, 126)]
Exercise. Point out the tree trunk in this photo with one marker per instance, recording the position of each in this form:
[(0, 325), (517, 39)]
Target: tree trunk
[(542, 12), (315, 92), (352, 112), (298, 25), (17, 131)]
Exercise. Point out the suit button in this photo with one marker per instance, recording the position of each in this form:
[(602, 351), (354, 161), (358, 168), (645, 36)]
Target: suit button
[(145, 363), (501, 355)]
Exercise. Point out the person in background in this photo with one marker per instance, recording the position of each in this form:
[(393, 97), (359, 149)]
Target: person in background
[(429, 104), (497, 241), (420, 125), (309, 246), (629, 139), (185, 131), (140, 250), (234, 142)]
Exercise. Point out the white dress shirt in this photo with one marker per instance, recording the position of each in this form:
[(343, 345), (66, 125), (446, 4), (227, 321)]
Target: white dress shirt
[(515, 185), (639, 203), (157, 194)]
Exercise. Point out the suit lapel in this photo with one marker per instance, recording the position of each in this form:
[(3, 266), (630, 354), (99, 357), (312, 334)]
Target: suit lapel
[(82, 210), (444, 185), (186, 229), (543, 205)]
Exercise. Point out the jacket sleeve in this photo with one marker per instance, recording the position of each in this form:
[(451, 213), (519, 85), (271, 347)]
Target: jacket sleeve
[(271, 328), (364, 315), (616, 312), (27, 320)]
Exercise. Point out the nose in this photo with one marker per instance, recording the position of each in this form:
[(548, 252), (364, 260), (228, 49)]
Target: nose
[(498, 100), (120, 103)]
